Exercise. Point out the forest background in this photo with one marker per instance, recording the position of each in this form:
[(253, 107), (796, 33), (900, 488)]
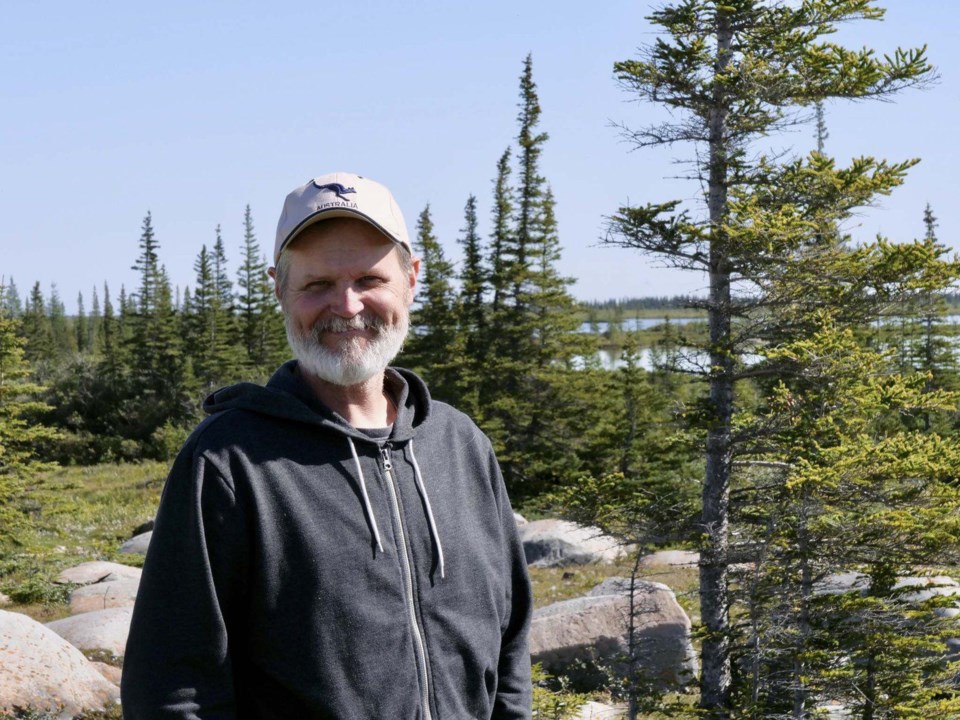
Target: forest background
[(802, 424)]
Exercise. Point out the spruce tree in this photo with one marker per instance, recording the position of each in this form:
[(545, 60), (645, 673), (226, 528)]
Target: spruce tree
[(432, 346), (261, 326), (80, 326), (36, 330), (18, 436), (157, 363), (11, 300), (64, 341), (532, 401), (473, 320), (736, 72), (93, 327), (209, 323)]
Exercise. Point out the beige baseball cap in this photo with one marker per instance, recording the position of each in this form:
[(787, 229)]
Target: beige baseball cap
[(340, 194)]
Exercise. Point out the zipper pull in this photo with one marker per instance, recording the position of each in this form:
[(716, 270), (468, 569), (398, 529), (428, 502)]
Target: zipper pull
[(385, 454)]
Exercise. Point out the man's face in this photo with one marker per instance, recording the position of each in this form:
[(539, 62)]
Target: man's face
[(346, 301)]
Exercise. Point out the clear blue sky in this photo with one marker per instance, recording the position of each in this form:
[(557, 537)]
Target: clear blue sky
[(192, 110)]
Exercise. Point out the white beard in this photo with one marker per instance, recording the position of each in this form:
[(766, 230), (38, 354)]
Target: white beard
[(358, 359)]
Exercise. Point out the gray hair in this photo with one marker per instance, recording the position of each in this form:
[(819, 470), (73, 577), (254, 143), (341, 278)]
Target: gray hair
[(283, 266)]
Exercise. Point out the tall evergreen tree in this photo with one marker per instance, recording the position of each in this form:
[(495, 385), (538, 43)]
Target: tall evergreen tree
[(529, 400), (501, 238), (18, 437), (209, 325), (63, 339), (36, 330), (737, 71), (432, 346), (80, 326), (261, 325), (221, 275), (158, 368), (473, 321), (11, 300), (532, 184), (108, 335), (93, 327), (148, 266)]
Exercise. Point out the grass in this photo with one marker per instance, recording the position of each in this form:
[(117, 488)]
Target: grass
[(79, 514), (552, 585), (86, 513)]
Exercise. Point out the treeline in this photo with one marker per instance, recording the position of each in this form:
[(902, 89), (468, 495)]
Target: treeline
[(124, 381), (496, 336), (661, 302)]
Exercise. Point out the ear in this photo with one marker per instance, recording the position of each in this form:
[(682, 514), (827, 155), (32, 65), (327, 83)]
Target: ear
[(412, 277), (272, 272)]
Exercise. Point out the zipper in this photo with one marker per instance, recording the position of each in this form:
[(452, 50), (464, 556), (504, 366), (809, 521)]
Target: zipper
[(418, 643)]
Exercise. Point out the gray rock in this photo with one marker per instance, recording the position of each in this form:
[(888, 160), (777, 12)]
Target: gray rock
[(137, 545), (671, 558), (97, 571), (519, 519), (927, 588), (594, 629), (102, 595), (553, 543), (842, 583), (40, 669), (835, 711), (98, 630), (591, 710), (5, 600)]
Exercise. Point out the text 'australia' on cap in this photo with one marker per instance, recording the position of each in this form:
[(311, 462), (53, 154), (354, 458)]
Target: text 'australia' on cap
[(340, 194)]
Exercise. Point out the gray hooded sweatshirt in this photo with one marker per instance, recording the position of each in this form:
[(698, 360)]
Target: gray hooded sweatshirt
[(301, 569)]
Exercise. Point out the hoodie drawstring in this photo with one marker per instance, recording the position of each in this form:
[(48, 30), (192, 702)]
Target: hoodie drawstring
[(366, 497), (426, 501)]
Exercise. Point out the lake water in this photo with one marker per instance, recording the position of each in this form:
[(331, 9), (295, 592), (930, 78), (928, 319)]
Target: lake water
[(635, 323)]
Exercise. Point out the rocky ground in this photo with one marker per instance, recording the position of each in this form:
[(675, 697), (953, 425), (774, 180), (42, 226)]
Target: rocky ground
[(72, 664)]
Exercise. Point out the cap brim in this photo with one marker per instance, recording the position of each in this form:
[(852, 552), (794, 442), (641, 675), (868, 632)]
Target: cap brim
[(328, 214)]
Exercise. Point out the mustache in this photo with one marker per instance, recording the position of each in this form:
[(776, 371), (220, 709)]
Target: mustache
[(339, 324)]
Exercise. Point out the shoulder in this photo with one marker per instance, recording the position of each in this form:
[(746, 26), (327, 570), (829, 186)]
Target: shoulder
[(446, 420), (225, 435)]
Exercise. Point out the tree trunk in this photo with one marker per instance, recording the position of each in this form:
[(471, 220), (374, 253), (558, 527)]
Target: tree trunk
[(715, 679)]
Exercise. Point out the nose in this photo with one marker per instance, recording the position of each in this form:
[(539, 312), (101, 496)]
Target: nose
[(346, 303)]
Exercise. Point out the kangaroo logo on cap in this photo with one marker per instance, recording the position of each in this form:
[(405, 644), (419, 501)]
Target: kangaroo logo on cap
[(338, 188)]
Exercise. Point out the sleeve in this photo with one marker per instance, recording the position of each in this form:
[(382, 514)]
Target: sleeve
[(514, 688), (177, 662)]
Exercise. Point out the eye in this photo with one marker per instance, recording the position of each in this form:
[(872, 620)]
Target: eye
[(370, 280)]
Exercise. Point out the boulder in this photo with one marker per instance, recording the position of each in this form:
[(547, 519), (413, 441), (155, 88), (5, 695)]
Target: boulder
[(592, 631), (927, 587), (519, 519), (97, 571), (98, 630), (40, 669), (137, 545), (553, 543), (671, 558), (111, 672), (103, 595), (922, 587)]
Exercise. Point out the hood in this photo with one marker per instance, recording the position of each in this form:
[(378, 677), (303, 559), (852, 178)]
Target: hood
[(287, 396)]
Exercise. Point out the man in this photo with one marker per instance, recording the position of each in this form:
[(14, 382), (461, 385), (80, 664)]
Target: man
[(335, 544)]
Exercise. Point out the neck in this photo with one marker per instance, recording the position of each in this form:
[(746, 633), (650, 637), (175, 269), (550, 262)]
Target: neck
[(363, 406)]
